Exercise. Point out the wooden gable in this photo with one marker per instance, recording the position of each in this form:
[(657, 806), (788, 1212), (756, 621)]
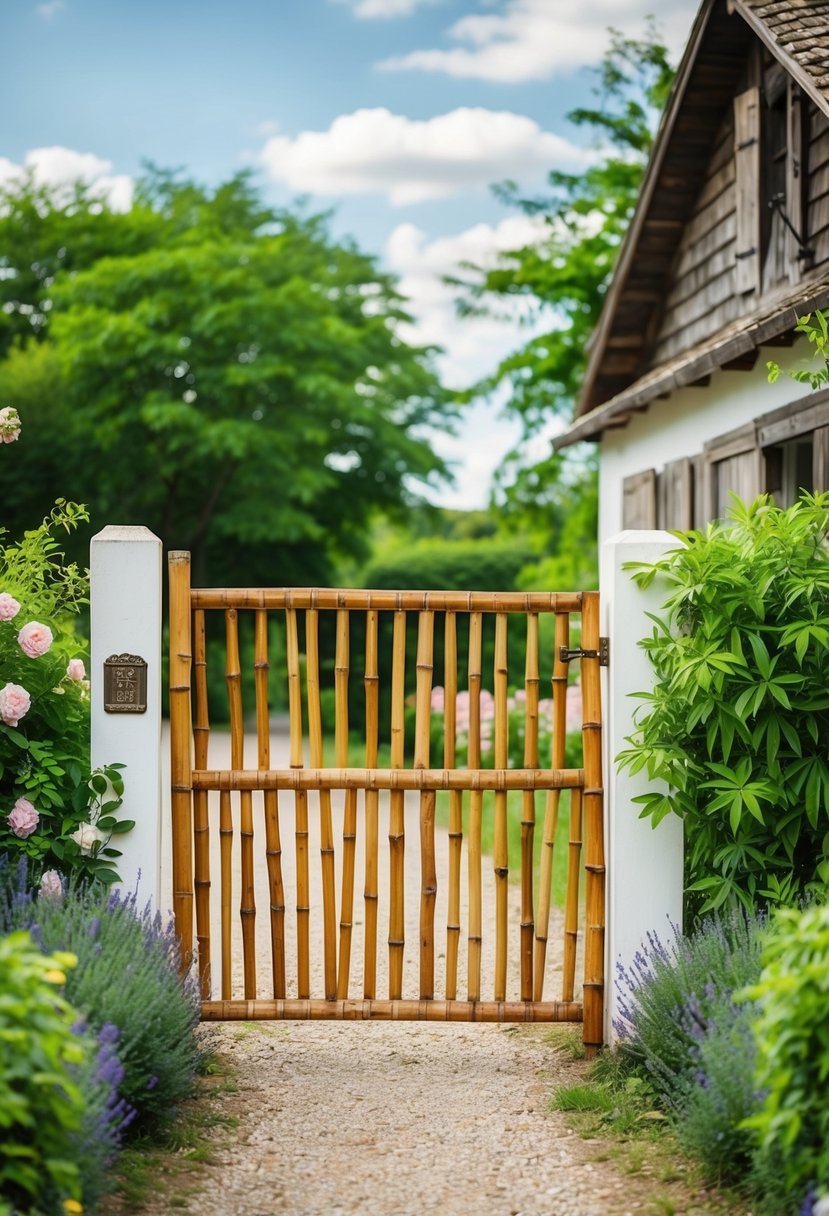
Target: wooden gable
[(708, 269)]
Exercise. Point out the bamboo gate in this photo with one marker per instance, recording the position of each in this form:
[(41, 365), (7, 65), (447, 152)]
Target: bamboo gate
[(192, 782)]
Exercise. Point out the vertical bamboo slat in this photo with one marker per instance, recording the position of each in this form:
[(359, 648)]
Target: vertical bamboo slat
[(428, 867), (273, 844), (371, 682), (226, 847), (594, 863), (475, 810), (303, 910), (571, 910), (180, 768), (450, 707), (247, 907), (201, 825), (500, 847), (542, 927), (396, 810), (528, 808), (341, 674), (329, 892)]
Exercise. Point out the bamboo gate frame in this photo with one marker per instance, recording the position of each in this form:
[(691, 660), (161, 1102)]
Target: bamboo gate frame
[(192, 781)]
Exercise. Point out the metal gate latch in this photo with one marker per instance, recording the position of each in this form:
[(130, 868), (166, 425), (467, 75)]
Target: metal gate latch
[(602, 654)]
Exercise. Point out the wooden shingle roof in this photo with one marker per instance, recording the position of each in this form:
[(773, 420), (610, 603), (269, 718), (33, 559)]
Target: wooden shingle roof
[(797, 31)]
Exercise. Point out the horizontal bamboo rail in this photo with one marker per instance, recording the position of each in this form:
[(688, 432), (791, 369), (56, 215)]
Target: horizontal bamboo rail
[(499, 779), (385, 601), (392, 1011)]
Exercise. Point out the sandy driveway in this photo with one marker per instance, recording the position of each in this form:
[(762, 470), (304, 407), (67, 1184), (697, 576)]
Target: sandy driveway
[(392, 1119)]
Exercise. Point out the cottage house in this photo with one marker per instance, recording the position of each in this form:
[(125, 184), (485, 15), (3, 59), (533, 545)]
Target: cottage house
[(728, 246)]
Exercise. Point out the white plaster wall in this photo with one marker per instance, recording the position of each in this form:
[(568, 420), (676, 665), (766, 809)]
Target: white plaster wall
[(680, 425)]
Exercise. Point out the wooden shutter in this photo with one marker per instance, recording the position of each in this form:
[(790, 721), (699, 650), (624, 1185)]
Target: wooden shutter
[(676, 496), (738, 475), (820, 459), (639, 500), (699, 501), (747, 157), (796, 179)]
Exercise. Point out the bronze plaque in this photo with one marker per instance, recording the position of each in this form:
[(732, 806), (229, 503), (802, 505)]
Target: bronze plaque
[(125, 684)]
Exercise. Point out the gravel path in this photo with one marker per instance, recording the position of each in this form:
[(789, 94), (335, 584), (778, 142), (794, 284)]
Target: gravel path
[(393, 1119)]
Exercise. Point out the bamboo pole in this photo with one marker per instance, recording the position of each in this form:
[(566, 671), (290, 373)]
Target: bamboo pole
[(201, 823), (389, 779), (548, 840), (500, 846), (531, 688), (571, 910), (226, 851), (396, 810), (428, 867), (341, 674), (180, 766), (475, 810), (594, 862), (247, 908), (392, 1011), (303, 910), (273, 843), (329, 892), (450, 698), (371, 682), (300, 598)]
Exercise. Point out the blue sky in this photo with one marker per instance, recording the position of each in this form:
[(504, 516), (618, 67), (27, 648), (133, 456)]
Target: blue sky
[(398, 113)]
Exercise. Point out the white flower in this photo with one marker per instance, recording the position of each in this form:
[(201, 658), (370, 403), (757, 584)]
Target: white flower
[(86, 837), (51, 885)]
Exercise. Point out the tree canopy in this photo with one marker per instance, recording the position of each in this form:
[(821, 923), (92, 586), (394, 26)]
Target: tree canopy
[(565, 276), (227, 374)]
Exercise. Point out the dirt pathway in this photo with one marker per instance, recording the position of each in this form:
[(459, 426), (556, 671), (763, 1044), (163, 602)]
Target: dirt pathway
[(393, 1119)]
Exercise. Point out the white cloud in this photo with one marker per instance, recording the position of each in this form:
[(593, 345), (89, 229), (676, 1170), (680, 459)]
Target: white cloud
[(531, 39), (375, 151), (369, 9), (473, 345), (58, 167), (50, 9)]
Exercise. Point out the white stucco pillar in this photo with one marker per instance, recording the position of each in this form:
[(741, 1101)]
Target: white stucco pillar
[(125, 612), (644, 864)]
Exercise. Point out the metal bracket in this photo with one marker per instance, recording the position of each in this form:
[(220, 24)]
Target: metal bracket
[(602, 654)]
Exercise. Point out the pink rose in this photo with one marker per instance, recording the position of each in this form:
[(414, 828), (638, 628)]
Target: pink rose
[(35, 639), (15, 703), (76, 670), (9, 424), (9, 606), (51, 885), (23, 818)]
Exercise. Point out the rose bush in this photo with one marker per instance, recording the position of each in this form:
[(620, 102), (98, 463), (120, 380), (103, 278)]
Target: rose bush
[(52, 808)]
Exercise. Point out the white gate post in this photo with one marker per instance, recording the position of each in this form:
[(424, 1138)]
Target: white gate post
[(125, 613), (644, 864)]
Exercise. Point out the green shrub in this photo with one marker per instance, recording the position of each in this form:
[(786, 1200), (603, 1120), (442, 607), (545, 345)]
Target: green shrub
[(127, 976), (792, 1032), (41, 1103), (737, 725)]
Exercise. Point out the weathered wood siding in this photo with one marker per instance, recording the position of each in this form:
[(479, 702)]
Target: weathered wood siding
[(818, 194), (701, 297)]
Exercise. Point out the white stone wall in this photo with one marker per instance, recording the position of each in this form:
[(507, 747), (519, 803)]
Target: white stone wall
[(681, 424)]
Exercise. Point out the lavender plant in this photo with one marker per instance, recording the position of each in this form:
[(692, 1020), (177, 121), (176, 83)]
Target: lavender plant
[(127, 975)]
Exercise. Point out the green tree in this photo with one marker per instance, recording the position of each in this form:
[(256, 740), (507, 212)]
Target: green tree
[(566, 275), (235, 383)]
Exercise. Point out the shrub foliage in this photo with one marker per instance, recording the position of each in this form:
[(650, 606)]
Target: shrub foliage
[(737, 724)]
